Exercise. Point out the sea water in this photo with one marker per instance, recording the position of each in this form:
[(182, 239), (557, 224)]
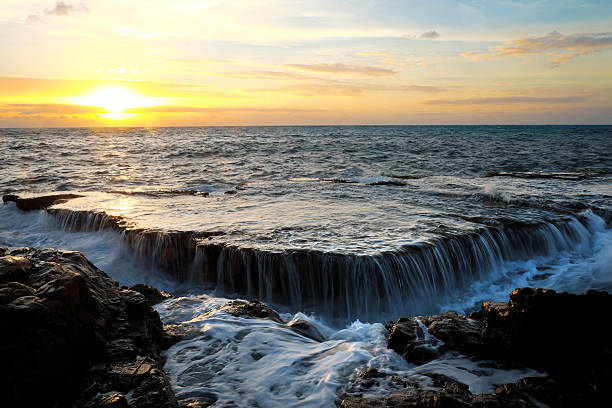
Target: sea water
[(344, 227)]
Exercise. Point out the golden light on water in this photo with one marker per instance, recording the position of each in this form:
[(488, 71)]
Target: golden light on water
[(116, 101)]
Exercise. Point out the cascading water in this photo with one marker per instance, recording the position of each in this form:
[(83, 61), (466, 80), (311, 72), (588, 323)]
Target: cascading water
[(414, 279)]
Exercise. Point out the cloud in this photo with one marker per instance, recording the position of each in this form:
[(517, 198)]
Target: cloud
[(558, 47), (49, 108), (34, 18), (508, 100), (430, 35), (64, 9), (203, 61), (191, 109), (361, 70), (345, 89), (265, 74), (376, 54)]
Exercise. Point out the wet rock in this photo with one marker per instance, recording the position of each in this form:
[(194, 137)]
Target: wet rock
[(154, 392), (112, 400), (61, 317), (387, 183), (125, 375), (408, 398), (306, 329), (13, 268), (13, 290), (449, 330), (173, 333), (559, 333), (201, 401), (253, 309), (459, 333), (448, 393), (151, 294), (533, 390), (38, 203)]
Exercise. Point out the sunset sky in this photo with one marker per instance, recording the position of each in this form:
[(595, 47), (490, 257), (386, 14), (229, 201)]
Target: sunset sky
[(282, 62)]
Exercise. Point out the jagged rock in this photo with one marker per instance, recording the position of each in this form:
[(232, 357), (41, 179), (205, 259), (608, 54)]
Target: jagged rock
[(450, 393), (61, 316), (459, 333), (407, 398), (456, 332), (407, 338), (153, 295), (173, 333), (113, 400), (38, 203), (201, 401), (13, 290), (154, 391), (306, 329), (560, 333), (13, 268), (254, 309)]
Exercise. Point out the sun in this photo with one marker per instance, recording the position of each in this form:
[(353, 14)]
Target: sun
[(115, 101)]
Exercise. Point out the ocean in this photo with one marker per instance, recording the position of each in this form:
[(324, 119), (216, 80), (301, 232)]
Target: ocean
[(343, 227)]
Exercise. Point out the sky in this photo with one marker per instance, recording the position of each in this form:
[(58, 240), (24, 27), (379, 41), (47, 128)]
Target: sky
[(294, 62)]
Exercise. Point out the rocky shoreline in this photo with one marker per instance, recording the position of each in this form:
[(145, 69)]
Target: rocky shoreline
[(72, 337), (564, 336)]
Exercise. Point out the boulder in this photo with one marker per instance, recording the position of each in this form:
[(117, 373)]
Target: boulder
[(151, 294), (253, 309), (306, 329), (72, 335), (563, 334)]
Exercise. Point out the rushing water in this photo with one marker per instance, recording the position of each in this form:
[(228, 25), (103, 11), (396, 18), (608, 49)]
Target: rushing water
[(345, 227)]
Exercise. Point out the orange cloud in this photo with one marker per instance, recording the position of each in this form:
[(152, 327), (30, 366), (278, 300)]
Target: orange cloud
[(49, 108), (346, 89), (509, 100), (360, 70), (560, 47)]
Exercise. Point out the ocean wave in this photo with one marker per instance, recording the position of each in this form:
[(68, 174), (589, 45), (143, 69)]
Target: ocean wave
[(577, 175), (161, 193)]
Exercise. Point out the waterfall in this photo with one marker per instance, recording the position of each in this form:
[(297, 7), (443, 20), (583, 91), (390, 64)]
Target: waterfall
[(346, 286)]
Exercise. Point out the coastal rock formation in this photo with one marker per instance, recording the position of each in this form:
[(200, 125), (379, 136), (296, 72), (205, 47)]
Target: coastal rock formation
[(561, 334), (38, 203), (71, 337)]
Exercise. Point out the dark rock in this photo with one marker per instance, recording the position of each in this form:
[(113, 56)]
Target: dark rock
[(387, 183), (125, 375), (460, 333), (201, 401), (61, 316), (13, 268), (560, 333), (13, 290), (306, 329), (154, 392), (253, 309), (113, 400), (173, 333), (457, 332), (38, 203), (153, 295), (408, 398)]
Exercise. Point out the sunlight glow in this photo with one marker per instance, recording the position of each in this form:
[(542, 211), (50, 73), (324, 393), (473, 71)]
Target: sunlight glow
[(116, 101)]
